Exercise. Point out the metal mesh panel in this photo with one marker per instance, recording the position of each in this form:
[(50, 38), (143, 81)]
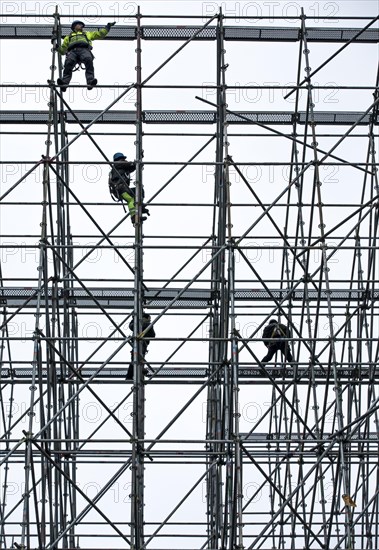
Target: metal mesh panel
[(199, 372), (104, 373), (187, 117), (327, 118), (303, 373), (261, 33), (370, 35), (118, 117), (83, 116), (27, 117), (11, 117), (154, 298), (276, 118), (175, 117), (235, 119), (260, 294), (191, 298), (36, 116), (264, 118), (336, 118), (109, 292), (122, 33), (125, 32), (177, 33), (291, 35), (282, 436), (187, 304), (342, 35), (338, 294), (242, 33), (45, 31), (172, 292), (333, 294), (300, 436), (324, 35), (184, 372), (18, 292), (351, 118), (31, 31), (324, 117), (7, 31)]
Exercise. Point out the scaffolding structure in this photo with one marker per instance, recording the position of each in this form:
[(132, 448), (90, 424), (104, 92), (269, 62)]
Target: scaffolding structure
[(207, 447)]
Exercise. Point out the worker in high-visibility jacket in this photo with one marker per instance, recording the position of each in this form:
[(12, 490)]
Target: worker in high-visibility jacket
[(77, 47)]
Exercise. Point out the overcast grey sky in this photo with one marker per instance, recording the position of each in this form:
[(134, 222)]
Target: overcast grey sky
[(254, 63)]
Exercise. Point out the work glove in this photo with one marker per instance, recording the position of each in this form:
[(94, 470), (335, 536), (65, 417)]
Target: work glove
[(145, 210), (109, 25)]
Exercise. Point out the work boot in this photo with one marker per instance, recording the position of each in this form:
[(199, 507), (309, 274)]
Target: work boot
[(62, 85), (133, 219), (91, 84), (148, 372), (129, 374)]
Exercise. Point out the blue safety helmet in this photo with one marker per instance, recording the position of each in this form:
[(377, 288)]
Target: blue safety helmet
[(74, 23), (118, 156)]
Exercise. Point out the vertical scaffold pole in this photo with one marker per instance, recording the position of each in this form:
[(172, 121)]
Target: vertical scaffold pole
[(64, 324), (344, 461), (137, 510), (236, 531), (217, 410), (48, 398)]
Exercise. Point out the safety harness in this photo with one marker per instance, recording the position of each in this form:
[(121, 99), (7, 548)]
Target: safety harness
[(278, 332), (117, 188), (71, 36), (78, 45)]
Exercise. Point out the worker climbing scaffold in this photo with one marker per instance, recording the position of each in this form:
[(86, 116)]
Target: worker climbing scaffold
[(146, 321), (77, 47), (119, 185)]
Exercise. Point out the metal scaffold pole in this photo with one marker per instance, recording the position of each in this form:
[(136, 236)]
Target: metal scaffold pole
[(138, 457), (217, 408)]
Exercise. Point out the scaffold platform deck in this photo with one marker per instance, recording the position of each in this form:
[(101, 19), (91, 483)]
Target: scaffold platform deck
[(342, 118)]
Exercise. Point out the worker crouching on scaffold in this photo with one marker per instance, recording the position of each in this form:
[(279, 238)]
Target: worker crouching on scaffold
[(77, 47), (119, 185), (273, 335)]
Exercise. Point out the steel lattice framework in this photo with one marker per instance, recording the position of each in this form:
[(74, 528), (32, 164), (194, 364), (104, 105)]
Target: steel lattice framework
[(216, 450)]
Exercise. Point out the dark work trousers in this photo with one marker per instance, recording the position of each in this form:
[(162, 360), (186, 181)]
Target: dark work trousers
[(130, 373), (278, 346), (74, 56)]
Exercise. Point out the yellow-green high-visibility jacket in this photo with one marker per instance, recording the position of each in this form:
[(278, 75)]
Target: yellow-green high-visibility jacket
[(76, 38)]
